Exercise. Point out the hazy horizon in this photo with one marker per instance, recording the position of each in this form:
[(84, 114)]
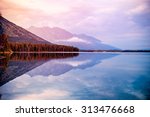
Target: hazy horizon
[(120, 23)]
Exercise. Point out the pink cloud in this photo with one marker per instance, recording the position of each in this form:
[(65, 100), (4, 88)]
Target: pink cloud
[(100, 18)]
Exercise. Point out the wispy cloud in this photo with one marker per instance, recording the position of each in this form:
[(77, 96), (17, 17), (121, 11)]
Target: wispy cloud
[(100, 18)]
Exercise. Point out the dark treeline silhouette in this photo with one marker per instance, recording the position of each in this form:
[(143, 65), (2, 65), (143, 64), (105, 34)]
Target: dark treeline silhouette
[(7, 46), (28, 47), (28, 57), (4, 46), (3, 63), (40, 56), (16, 64), (114, 50)]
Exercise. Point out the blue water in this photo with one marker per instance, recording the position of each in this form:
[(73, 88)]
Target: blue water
[(88, 76)]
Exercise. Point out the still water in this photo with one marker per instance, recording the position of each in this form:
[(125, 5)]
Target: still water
[(84, 76)]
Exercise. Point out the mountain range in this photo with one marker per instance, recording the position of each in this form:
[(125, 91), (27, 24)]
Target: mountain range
[(47, 35), (61, 36), (19, 34), (14, 38)]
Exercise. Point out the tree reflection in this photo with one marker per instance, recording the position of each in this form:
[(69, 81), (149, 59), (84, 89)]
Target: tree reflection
[(40, 56), (12, 66)]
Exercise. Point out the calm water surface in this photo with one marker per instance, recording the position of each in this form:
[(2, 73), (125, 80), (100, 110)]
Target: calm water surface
[(87, 76)]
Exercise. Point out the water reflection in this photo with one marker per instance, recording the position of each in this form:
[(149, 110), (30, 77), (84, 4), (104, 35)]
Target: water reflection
[(12, 66), (59, 67), (86, 76)]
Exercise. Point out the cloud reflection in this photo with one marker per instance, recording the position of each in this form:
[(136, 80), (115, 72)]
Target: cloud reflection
[(102, 81)]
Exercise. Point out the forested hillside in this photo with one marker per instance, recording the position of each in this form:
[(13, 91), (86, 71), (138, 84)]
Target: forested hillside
[(16, 39)]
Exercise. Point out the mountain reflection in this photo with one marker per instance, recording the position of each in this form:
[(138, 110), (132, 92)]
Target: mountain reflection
[(34, 68), (96, 76), (12, 66), (40, 56), (56, 68)]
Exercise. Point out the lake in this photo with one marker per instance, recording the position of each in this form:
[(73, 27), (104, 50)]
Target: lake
[(73, 76)]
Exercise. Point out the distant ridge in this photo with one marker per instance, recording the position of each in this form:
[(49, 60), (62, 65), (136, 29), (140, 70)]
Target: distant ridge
[(19, 34), (61, 36), (14, 38), (52, 34)]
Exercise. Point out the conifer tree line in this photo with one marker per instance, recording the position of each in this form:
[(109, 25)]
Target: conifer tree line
[(28, 47), (6, 46), (4, 42), (40, 56)]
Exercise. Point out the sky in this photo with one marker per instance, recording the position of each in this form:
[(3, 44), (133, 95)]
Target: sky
[(121, 23)]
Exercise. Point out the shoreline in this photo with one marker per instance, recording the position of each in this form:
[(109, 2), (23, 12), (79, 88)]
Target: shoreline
[(84, 51)]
